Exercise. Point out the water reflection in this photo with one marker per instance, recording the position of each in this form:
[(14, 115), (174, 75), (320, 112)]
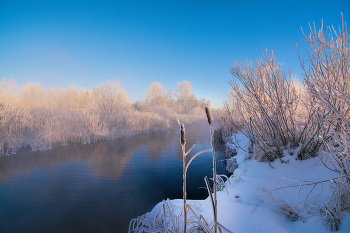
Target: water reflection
[(105, 158), (98, 187)]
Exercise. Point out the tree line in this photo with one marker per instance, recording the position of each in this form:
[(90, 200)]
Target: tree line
[(34, 117)]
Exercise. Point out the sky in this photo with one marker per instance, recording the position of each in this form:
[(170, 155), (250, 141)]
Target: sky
[(57, 43)]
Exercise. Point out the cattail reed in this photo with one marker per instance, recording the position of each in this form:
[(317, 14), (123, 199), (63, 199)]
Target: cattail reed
[(183, 135), (185, 166), (214, 166), (208, 115), (183, 142)]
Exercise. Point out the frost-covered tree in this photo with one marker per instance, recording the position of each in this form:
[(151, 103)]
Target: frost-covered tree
[(184, 96), (7, 90), (84, 98), (72, 97), (33, 96), (157, 95), (110, 97)]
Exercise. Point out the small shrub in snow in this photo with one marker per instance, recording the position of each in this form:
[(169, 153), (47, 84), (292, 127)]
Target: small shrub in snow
[(291, 211), (338, 202)]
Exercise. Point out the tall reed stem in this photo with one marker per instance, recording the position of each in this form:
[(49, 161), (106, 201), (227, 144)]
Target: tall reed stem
[(185, 167), (183, 143), (214, 167)]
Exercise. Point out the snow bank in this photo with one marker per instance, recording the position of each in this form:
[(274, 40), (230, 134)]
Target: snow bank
[(249, 204)]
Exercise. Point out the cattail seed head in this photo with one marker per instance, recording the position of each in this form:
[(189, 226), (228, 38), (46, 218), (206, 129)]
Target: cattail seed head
[(208, 115), (183, 135)]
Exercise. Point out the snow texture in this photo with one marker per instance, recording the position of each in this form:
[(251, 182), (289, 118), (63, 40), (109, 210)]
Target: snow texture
[(248, 204)]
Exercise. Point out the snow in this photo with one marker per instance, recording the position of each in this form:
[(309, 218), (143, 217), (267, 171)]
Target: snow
[(245, 206)]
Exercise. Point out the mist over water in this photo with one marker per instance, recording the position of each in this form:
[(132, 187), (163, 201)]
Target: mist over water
[(99, 187)]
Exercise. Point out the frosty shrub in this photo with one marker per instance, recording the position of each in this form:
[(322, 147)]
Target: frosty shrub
[(266, 106), (327, 75)]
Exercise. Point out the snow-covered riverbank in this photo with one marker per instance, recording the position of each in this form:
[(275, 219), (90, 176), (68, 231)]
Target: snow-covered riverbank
[(249, 203)]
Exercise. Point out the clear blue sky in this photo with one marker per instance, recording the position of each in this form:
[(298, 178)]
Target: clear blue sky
[(57, 43)]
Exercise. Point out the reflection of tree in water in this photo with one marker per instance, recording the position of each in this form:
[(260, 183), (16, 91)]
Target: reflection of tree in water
[(157, 144), (108, 158), (105, 158)]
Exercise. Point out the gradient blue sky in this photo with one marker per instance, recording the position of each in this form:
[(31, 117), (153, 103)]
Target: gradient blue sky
[(57, 43)]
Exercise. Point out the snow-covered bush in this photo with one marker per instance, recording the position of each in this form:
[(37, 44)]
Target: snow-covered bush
[(266, 106), (327, 75)]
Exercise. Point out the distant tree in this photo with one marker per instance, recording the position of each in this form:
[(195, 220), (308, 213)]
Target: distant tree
[(72, 97), (185, 98), (57, 98), (110, 97), (84, 98), (33, 95), (138, 105), (157, 95), (203, 102), (7, 90)]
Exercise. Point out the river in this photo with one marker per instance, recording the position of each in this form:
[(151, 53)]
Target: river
[(100, 187)]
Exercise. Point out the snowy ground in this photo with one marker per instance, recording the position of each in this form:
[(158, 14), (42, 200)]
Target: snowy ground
[(248, 205)]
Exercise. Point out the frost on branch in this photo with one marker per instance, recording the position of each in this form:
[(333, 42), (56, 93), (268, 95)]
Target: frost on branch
[(266, 105)]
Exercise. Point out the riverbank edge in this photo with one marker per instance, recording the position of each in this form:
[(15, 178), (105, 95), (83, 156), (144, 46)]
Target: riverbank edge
[(243, 205)]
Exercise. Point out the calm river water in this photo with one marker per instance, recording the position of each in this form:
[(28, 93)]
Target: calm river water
[(99, 187)]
